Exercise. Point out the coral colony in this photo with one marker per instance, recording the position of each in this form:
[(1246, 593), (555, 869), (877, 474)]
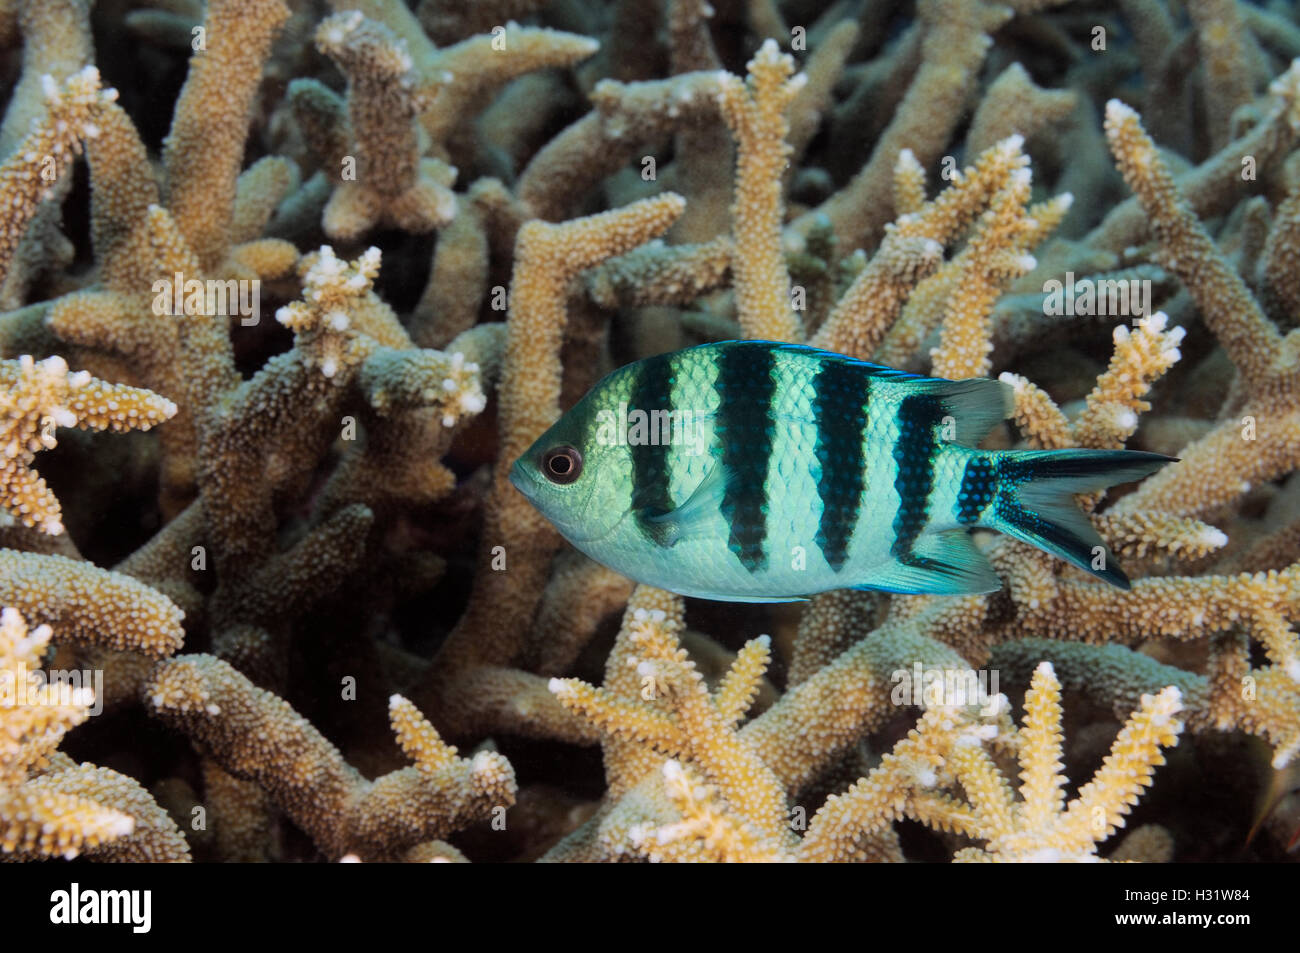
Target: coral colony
[(306, 616)]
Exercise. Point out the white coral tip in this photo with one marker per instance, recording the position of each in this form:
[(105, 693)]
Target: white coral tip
[(1213, 537), (1118, 110), (1156, 321)]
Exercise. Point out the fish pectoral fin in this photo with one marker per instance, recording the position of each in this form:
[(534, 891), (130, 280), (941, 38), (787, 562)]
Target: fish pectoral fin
[(670, 528), (941, 564)]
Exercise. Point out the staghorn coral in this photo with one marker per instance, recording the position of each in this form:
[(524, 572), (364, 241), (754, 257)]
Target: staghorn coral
[(36, 163), (49, 806), (320, 511), (40, 397), (739, 812), (255, 735), (943, 752), (756, 115), (393, 186)]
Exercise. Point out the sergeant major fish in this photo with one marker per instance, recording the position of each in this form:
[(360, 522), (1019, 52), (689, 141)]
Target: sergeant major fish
[(752, 471)]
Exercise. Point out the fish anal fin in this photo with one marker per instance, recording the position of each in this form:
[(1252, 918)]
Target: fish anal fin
[(755, 599), (941, 564)]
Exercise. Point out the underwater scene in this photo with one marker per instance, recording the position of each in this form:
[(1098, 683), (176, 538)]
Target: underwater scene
[(650, 431)]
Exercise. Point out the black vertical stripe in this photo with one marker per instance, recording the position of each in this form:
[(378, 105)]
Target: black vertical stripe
[(745, 387), (914, 453), (839, 407), (978, 487), (652, 389)]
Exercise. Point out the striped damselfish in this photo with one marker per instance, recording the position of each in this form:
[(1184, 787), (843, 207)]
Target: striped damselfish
[(753, 471)]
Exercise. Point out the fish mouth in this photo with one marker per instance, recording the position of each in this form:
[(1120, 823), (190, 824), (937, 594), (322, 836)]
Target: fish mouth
[(519, 479), (526, 483)]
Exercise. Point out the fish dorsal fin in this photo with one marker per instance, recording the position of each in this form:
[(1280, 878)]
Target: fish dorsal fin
[(976, 405), (941, 564), (706, 499)]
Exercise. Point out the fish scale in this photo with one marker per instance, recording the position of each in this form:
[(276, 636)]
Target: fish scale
[(759, 471)]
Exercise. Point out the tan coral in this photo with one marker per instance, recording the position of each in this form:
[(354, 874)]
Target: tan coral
[(494, 628), (43, 156), (205, 148), (1262, 438), (48, 807), (391, 184), (943, 752), (90, 605), (756, 113), (254, 734), (732, 806), (39, 397)]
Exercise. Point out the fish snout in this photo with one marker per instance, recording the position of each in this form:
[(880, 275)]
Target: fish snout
[(521, 479)]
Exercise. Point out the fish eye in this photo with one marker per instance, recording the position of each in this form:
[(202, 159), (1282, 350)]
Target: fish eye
[(562, 464)]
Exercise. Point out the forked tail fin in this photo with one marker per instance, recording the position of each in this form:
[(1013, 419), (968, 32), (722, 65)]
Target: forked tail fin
[(1035, 501)]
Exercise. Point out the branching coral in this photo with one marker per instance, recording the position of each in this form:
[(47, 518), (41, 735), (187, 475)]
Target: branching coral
[(50, 807), (731, 807), (657, 704), (494, 627), (391, 185), (756, 115), (253, 734), (1262, 440), (39, 397), (943, 752), (37, 162), (35, 719)]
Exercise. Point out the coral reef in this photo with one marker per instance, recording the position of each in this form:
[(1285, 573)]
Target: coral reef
[(460, 215)]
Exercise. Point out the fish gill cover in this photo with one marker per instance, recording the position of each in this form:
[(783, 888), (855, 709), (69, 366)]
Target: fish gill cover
[(346, 262)]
